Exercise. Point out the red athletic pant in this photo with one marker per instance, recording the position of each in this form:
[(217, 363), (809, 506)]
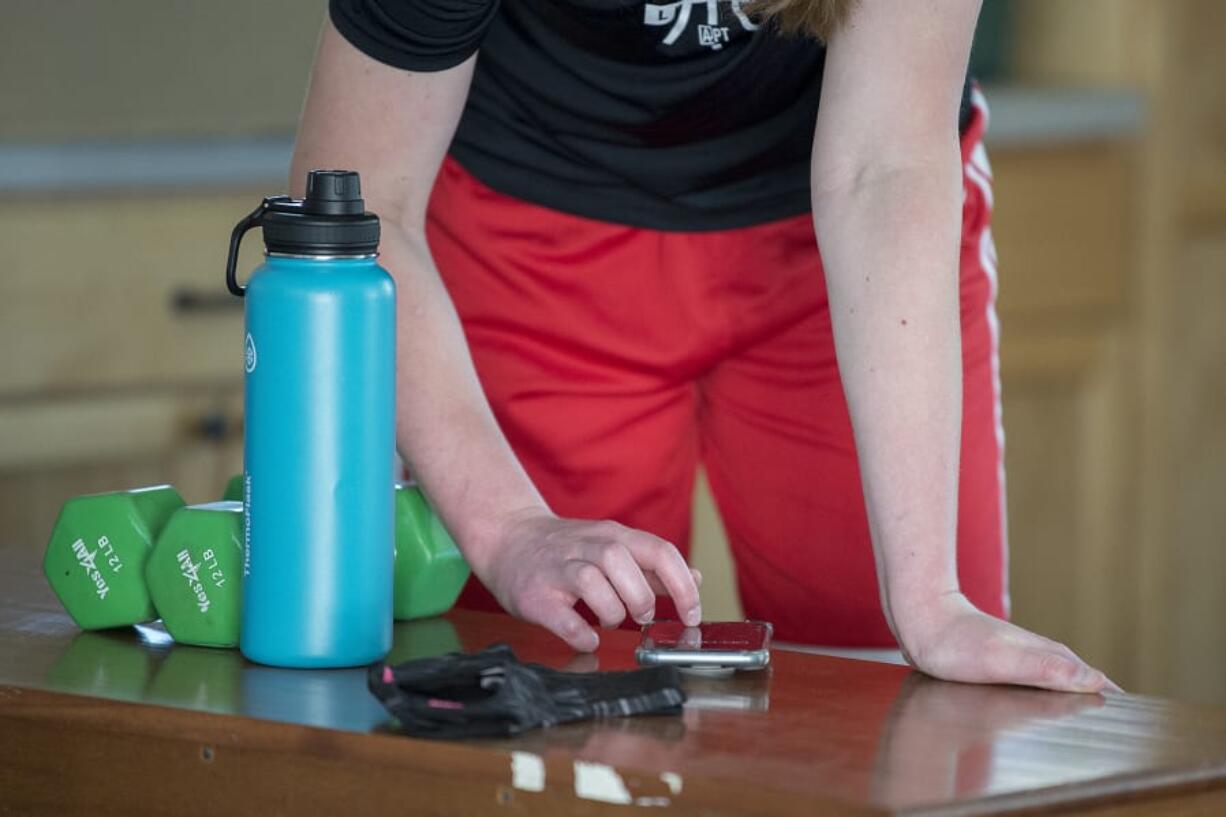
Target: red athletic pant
[(617, 359)]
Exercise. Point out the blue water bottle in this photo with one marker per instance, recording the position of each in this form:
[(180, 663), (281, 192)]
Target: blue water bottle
[(320, 431)]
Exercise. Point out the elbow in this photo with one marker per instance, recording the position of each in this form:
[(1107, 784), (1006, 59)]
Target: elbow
[(871, 170), (893, 183)]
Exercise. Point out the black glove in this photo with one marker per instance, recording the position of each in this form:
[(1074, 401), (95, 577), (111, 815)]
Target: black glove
[(491, 694)]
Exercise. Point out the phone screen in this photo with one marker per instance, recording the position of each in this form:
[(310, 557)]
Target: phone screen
[(716, 636)]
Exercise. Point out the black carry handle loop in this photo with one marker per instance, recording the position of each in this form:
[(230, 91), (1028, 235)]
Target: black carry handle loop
[(253, 219)]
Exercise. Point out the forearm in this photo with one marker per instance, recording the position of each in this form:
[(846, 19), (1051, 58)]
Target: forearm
[(886, 181), (445, 429), (889, 242)]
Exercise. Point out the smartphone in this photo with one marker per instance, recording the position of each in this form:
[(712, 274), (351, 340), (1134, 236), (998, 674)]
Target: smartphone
[(711, 645)]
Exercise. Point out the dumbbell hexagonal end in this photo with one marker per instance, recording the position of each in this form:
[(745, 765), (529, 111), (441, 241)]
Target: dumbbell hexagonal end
[(96, 556), (194, 574), (234, 489), (430, 570)]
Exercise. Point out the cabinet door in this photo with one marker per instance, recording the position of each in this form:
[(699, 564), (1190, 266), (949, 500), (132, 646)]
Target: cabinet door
[(125, 363), (51, 450), (119, 293), (1065, 252)]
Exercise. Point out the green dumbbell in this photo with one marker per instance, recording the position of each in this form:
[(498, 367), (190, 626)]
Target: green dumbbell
[(194, 574), (234, 489), (95, 560), (430, 570)]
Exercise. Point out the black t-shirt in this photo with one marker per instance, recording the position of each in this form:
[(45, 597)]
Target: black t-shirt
[(673, 116)]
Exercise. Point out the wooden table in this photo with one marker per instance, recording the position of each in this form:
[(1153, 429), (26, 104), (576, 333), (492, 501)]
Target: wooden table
[(125, 722)]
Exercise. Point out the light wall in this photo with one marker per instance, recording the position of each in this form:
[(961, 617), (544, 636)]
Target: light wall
[(80, 69)]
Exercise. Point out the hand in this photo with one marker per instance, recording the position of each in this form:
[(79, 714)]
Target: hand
[(948, 637), (543, 564)]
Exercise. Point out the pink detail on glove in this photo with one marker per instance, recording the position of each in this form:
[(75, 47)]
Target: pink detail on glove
[(439, 703)]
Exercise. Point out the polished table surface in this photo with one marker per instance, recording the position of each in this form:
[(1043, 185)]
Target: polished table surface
[(125, 722)]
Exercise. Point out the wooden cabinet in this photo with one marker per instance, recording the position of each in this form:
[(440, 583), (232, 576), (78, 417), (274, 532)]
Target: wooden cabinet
[(116, 292), (1167, 603), (123, 361), (1062, 227)]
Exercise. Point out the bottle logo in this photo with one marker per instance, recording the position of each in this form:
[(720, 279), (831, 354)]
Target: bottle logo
[(249, 356)]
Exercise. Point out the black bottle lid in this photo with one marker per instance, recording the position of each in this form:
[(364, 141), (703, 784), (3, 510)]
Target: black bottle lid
[(331, 220)]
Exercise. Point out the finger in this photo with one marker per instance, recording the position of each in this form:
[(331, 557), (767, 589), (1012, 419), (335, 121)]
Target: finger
[(1052, 670), (562, 620), (997, 708), (1090, 680), (658, 587), (691, 639), (661, 558), (626, 577), (1064, 650), (1056, 646), (588, 582)]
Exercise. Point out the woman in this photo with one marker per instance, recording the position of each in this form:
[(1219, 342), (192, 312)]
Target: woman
[(623, 235)]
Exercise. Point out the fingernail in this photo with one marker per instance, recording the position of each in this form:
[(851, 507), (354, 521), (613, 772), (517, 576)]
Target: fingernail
[(693, 616), (1090, 679)]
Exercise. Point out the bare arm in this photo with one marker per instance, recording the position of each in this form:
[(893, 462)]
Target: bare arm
[(393, 127), (887, 195)]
